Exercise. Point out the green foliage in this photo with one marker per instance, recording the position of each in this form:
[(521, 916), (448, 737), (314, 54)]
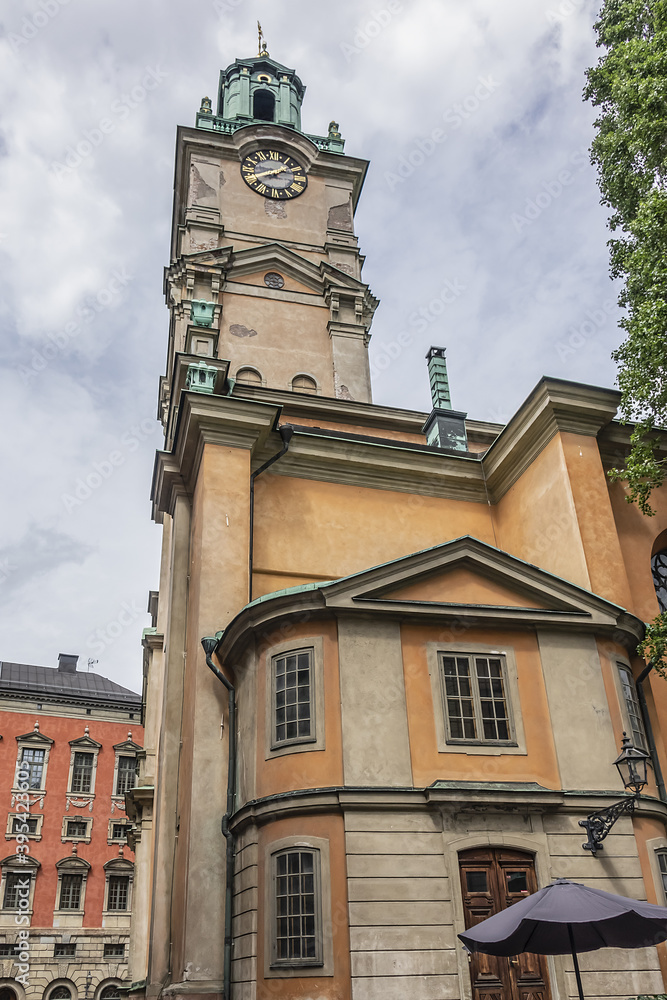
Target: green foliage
[(654, 645), (629, 85)]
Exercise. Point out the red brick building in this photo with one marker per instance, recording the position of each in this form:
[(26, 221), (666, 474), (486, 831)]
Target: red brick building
[(69, 742)]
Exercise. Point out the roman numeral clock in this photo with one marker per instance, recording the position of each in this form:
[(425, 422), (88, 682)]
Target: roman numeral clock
[(274, 174)]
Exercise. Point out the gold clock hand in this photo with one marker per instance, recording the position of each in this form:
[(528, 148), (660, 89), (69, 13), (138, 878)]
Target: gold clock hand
[(278, 170)]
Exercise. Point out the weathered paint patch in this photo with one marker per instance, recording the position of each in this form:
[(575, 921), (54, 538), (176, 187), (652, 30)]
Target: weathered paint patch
[(238, 330)]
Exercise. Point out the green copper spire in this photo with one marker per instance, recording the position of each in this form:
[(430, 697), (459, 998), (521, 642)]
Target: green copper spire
[(261, 90), (445, 427), (437, 373)]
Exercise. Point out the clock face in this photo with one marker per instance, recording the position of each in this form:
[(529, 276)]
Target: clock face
[(274, 174)]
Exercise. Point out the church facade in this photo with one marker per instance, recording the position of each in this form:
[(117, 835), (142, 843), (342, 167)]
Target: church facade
[(419, 631)]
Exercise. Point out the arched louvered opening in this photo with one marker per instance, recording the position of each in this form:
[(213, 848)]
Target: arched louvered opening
[(304, 383), (264, 105)]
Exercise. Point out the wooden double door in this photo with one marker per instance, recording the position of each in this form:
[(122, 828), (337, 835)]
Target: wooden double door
[(491, 880)]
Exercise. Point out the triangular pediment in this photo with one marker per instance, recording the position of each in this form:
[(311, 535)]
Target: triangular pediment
[(35, 739), (85, 743), (128, 746), (275, 256), (473, 580)]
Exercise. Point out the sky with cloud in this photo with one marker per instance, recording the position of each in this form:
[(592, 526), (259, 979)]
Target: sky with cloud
[(480, 221)]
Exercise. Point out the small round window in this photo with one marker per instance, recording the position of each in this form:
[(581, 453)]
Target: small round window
[(274, 280)]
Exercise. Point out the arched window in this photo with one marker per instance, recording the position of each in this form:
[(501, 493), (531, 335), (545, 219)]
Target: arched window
[(304, 383), (659, 570), (263, 105), (60, 993), (110, 993), (7, 994), (249, 376)]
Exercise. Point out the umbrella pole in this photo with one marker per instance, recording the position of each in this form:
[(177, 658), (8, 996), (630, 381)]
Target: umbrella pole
[(576, 962)]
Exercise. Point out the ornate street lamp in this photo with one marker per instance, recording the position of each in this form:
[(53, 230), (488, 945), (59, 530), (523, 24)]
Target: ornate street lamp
[(632, 765)]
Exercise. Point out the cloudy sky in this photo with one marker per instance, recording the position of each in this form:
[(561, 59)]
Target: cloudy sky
[(480, 220)]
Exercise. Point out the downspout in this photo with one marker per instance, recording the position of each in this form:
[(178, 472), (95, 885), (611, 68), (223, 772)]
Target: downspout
[(286, 432), (210, 646), (639, 684)]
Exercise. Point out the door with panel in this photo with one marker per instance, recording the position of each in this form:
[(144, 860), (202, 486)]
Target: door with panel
[(491, 880)]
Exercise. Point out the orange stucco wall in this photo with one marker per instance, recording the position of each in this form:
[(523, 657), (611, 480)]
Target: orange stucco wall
[(307, 530), (305, 769), (536, 519), (538, 764), (336, 987)]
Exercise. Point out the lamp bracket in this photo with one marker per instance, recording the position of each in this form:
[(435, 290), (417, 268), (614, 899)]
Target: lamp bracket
[(598, 824)]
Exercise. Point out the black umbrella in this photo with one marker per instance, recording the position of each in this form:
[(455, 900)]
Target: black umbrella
[(568, 917)]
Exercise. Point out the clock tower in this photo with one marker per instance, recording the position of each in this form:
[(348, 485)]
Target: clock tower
[(265, 266)]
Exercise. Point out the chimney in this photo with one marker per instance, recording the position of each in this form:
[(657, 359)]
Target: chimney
[(445, 427), (67, 663)]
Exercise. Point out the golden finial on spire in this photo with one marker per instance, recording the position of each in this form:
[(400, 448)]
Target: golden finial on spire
[(263, 51)]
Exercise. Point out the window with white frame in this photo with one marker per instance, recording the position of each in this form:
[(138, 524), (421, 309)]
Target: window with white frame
[(77, 828), (72, 876), (476, 701), (24, 824), (119, 875), (125, 770), (32, 760), (634, 716), (17, 882), (125, 774), (82, 772)]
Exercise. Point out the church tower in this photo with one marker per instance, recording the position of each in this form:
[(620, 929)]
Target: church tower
[(393, 653), (266, 269)]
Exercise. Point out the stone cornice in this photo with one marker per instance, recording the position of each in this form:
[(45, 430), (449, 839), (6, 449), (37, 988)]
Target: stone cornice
[(206, 419), (381, 464), (615, 442), (554, 405), (454, 796)]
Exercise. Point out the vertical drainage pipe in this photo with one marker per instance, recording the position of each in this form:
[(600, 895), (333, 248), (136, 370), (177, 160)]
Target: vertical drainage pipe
[(210, 645), (286, 432), (657, 770)]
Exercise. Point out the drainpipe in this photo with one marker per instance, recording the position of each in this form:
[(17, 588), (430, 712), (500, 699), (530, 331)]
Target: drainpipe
[(210, 646), (639, 684), (286, 432)]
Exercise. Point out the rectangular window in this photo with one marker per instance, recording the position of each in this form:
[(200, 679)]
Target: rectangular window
[(114, 951), (16, 888), (126, 774), (64, 950), (25, 825), (662, 864), (119, 886), (82, 772), (8, 950), (70, 892), (77, 828), (298, 939), (293, 697), (475, 689), (632, 705), (32, 761), (119, 831)]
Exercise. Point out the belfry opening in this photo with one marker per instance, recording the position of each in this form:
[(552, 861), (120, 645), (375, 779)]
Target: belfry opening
[(264, 106)]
